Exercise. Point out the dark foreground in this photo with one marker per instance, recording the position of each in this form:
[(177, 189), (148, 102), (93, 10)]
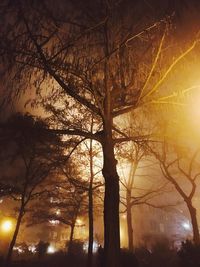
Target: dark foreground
[(160, 256)]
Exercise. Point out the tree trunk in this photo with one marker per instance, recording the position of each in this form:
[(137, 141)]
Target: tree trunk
[(129, 220), (14, 238), (195, 229), (111, 206), (90, 210), (90, 244), (71, 237), (73, 226)]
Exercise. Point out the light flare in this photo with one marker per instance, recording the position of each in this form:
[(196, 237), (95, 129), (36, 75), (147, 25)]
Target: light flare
[(51, 249), (7, 226)]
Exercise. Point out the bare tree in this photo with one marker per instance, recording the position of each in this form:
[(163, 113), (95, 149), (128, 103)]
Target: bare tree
[(138, 162), (179, 166), (65, 200), (91, 61), (30, 162)]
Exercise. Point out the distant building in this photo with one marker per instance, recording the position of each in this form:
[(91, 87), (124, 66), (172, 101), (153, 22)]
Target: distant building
[(152, 225)]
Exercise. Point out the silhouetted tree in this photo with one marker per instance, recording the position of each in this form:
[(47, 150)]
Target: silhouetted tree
[(65, 200), (179, 166), (103, 58), (30, 157)]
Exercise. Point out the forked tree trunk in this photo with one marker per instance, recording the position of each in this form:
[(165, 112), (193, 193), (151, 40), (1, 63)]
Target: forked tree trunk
[(111, 206), (195, 228), (14, 238), (129, 220)]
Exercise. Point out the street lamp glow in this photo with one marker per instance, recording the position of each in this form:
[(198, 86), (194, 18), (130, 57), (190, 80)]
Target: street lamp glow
[(194, 108), (79, 221), (54, 222), (186, 225), (51, 249), (58, 212), (6, 226)]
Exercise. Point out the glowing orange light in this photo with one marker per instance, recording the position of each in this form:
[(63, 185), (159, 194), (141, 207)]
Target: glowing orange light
[(79, 221), (194, 106), (7, 226)]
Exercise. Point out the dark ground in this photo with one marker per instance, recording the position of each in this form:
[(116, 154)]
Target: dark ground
[(160, 256)]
